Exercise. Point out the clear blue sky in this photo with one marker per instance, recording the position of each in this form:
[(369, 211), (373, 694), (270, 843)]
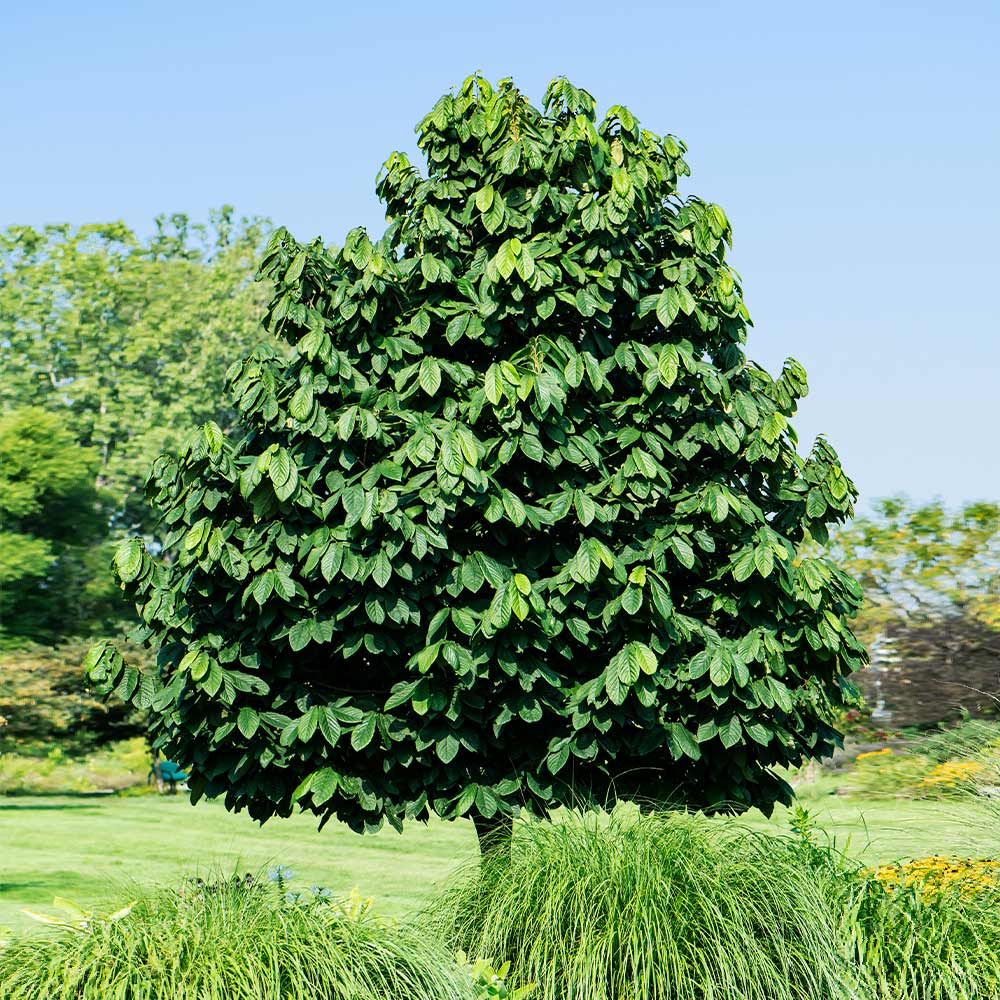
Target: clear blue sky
[(855, 147)]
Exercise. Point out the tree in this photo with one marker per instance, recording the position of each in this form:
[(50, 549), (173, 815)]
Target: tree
[(931, 580), (921, 563), (47, 703), (50, 531), (516, 524), (127, 339)]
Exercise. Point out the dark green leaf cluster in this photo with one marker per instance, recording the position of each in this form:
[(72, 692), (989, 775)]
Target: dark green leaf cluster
[(517, 524), (51, 532)]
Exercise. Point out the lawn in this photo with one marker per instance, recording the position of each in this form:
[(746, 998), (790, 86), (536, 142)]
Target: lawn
[(79, 846)]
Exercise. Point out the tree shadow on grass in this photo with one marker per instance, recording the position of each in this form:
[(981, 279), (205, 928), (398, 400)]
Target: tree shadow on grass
[(19, 887), (46, 806)]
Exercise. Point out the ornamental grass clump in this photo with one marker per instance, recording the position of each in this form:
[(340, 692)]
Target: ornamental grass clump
[(970, 738), (237, 940), (651, 906), (934, 936)]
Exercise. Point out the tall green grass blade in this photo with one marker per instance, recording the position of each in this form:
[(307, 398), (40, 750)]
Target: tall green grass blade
[(232, 943), (653, 907)]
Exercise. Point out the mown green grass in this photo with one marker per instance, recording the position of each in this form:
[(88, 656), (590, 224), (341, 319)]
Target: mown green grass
[(78, 847), (883, 830)]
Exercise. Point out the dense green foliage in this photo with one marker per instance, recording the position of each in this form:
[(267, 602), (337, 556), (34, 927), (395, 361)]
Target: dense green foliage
[(517, 523), (66, 767), (931, 580), (920, 946), (51, 531), (126, 339), (922, 563), (930, 939), (233, 940), (48, 703), (109, 344)]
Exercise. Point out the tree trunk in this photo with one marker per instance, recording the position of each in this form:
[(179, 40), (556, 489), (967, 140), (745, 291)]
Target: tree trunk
[(157, 772), (495, 835)]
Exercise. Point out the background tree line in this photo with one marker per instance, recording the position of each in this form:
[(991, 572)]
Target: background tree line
[(931, 578), (113, 345)]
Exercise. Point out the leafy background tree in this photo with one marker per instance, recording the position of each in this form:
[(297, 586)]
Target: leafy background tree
[(51, 584), (109, 345), (47, 705), (127, 339), (516, 524), (923, 562), (931, 578)]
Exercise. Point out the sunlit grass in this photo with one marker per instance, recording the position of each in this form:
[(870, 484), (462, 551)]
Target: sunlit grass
[(232, 941), (682, 882), (78, 846), (84, 848), (652, 906)]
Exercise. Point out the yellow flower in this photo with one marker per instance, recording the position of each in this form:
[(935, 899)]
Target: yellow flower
[(936, 874), (874, 753), (952, 772)]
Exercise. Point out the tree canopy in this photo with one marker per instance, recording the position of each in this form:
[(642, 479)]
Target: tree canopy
[(931, 580), (516, 523), (51, 579), (923, 563), (125, 338)]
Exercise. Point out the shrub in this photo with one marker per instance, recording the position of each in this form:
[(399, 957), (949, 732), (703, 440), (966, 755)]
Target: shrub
[(887, 772), (938, 873), (491, 984), (923, 930), (856, 724), (651, 906), (236, 939), (953, 777), (47, 700), (114, 768), (915, 944), (911, 774)]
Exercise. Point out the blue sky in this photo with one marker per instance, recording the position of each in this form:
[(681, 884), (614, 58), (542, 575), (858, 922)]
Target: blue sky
[(855, 147)]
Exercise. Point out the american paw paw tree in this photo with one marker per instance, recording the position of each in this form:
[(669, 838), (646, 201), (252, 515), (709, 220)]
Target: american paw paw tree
[(514, 523)]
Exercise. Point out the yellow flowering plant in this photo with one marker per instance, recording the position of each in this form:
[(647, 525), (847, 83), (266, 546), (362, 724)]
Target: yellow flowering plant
[(887, 772), (951, 777), (939, 873)]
